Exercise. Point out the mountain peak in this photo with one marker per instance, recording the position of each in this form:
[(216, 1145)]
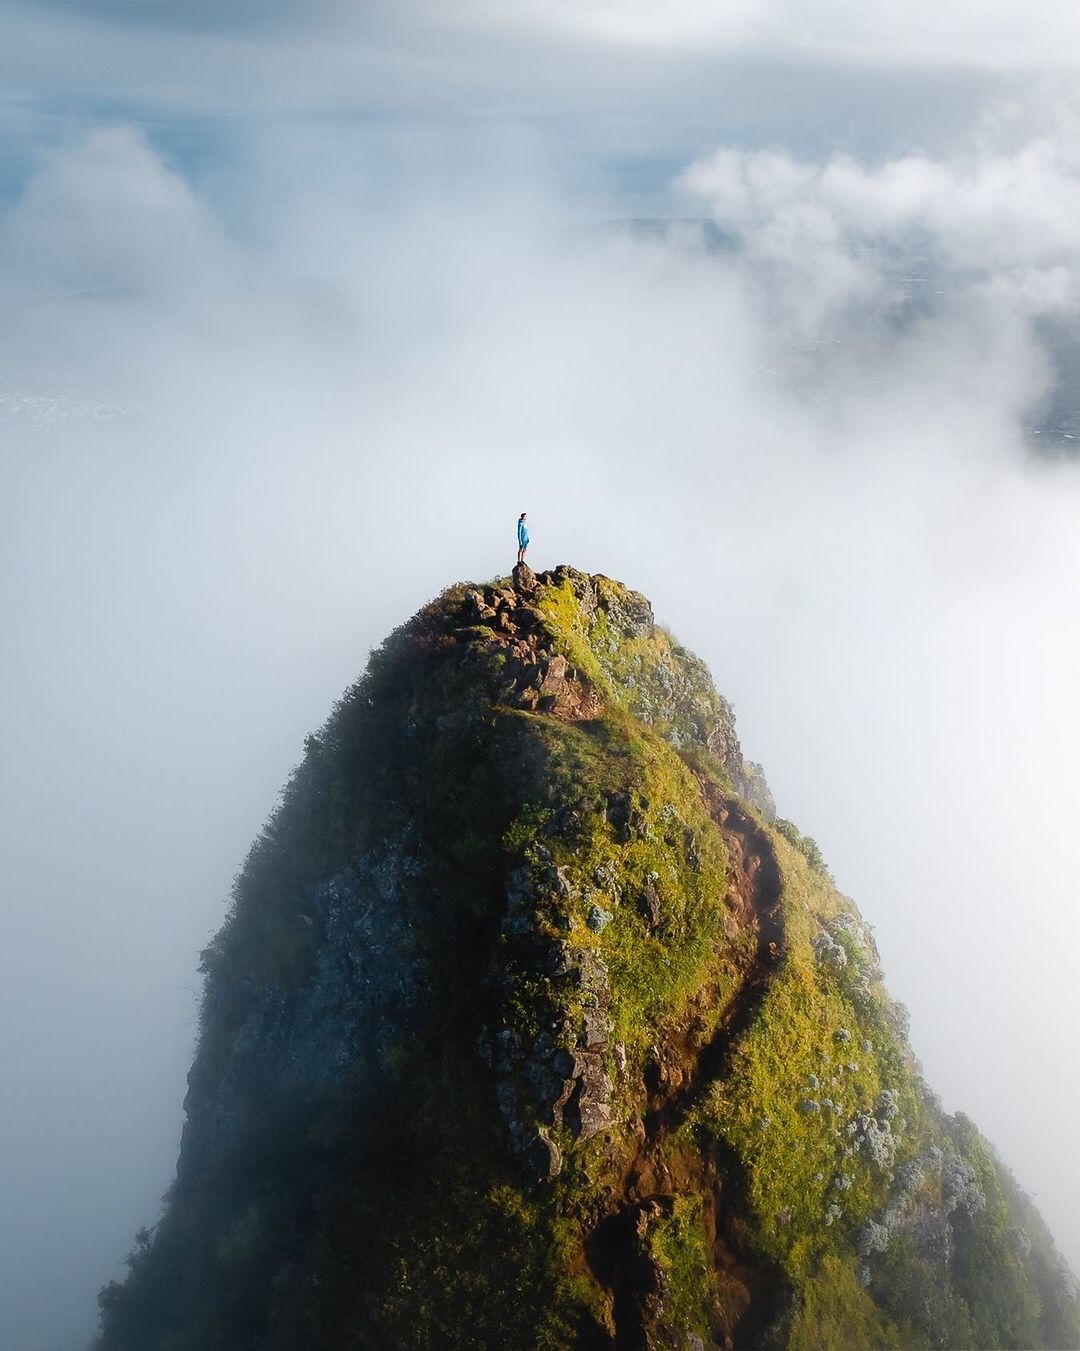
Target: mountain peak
[(531, 1025)]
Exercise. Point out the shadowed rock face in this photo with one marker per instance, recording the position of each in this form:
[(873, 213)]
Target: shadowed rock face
[(530, 1026)]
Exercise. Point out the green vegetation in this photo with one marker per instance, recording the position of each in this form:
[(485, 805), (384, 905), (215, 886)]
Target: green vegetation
[(811, 1062), (834, 1313), (639, 666), (522, 1030), (675, 853), (679, 1246), (803, 843)]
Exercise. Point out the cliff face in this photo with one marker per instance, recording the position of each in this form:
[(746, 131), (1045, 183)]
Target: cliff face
[(530, 1026)]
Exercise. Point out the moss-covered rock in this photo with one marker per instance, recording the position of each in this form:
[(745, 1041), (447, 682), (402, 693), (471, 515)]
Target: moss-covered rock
[(531, 1026)]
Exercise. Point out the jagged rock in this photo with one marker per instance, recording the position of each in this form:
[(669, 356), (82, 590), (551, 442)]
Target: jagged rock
[(543, 1156), (595, 1031), (553, 675), (629, 610), (524, 579), (583, 1099), (618, 815), (651, 907), (561, 883), (528, 617), (598, 919)]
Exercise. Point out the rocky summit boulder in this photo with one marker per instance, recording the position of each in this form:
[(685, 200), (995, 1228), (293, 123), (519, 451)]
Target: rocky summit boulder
[(530, 1025), (524, 579)]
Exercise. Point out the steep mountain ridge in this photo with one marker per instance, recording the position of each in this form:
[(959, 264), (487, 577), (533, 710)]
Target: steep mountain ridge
[(531, 1025)]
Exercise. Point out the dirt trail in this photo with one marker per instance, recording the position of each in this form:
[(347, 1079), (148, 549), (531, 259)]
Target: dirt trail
[(616, 1250), (755, 879)]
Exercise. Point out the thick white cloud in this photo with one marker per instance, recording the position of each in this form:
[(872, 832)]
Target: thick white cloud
[(993, 220), (108, 213)]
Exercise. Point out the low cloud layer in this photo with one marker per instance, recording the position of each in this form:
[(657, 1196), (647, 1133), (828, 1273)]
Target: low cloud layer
[(256, 411), (993, 219)]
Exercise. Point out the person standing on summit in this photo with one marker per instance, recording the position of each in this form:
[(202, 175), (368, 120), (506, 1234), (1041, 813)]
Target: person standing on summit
[(523, 538)]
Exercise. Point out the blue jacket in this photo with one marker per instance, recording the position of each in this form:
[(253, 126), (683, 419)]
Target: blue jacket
[(523, 534)]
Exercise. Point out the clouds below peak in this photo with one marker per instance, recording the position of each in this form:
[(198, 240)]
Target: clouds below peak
[(105, 211), (987, 214), (353, 356), (931, 274)]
